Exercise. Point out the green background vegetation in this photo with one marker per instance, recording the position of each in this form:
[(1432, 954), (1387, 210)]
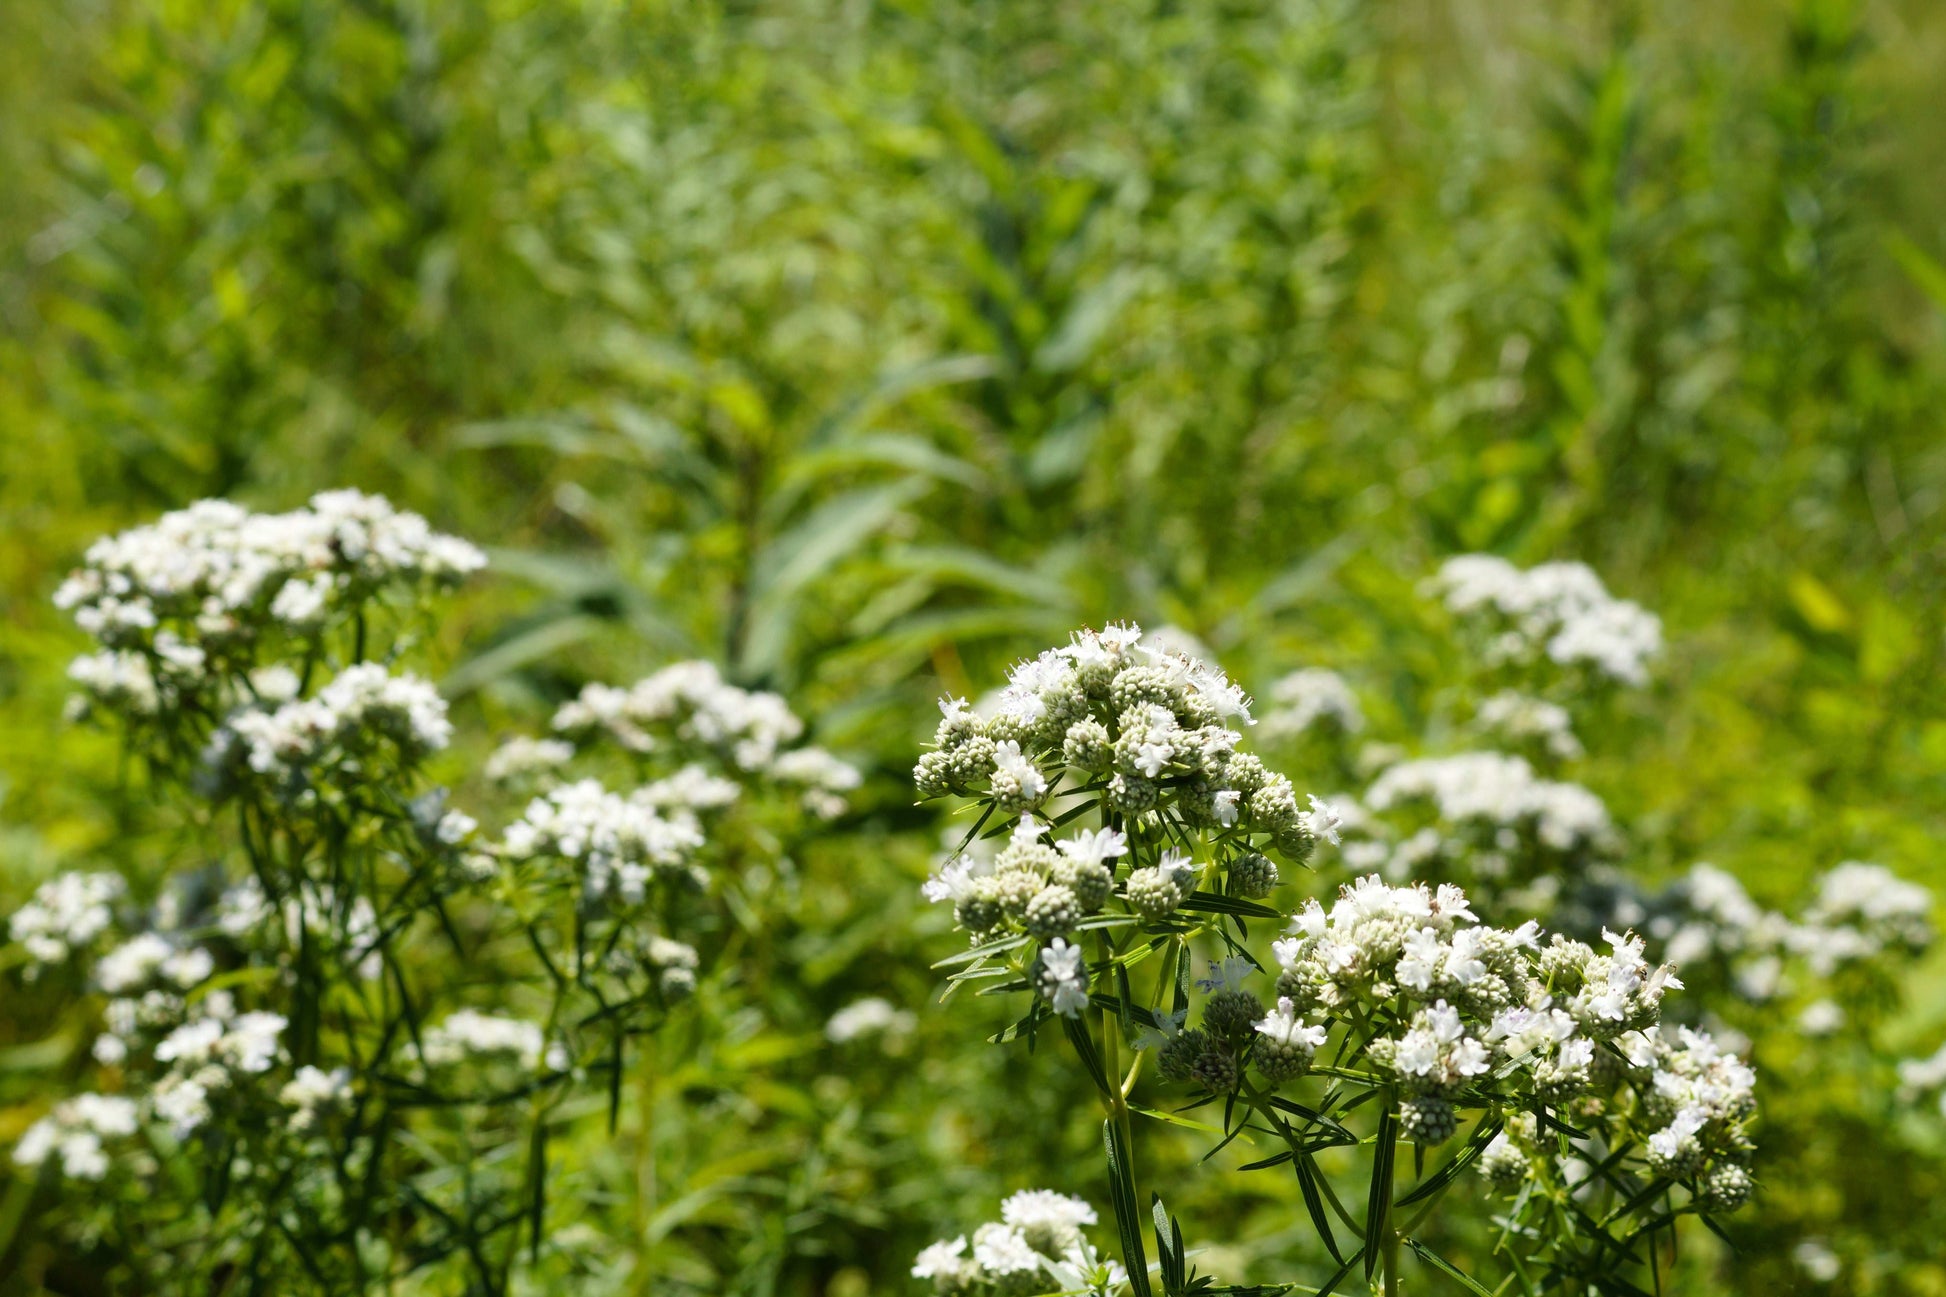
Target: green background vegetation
[(862, 347)]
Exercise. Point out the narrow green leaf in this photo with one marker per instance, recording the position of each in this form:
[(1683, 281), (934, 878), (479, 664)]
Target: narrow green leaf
[(1084, 1045), (1128, 1219), (1169, 1249), (1175, 1119), (1446, 1267), (542, 641), (788, 565), (1216, 903), (1307, 1173), (1378, 1203), (1338, 1276), (1710, 1224), (1439, 1179)]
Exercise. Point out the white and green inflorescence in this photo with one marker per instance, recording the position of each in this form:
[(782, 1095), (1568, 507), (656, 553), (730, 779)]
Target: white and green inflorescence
[(1132, 842)]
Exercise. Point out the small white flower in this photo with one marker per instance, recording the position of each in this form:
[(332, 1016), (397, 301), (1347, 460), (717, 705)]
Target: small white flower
[(1094, 846), (942, 1260), (1064, 977), (1322, 821), (868, 1016)]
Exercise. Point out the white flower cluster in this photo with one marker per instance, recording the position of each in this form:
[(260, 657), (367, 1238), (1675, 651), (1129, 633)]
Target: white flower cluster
[(345, 721), (1861, 913), (1705, 1094), (1497, 791), (467, 1035), (1864, 909), (1523, 719), (693, 703), (621, 843), (66, 915), (1308, 698), (692, 789), (1457, 1003), (1152, 727), (523, 758), (74, 1132), (312, 1091), (136, 684), (1694, 1100), (1036, 1246), (211, 578), (1557, 610), (824, 778), (148, 979), (1925, 1078), (206, 1055), (871, 1016), (215, 563), (1032, 886), (148, 956)]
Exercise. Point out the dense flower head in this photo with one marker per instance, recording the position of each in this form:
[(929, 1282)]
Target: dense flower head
[(1036, 1246), (1455, 1013), (1685, 1098), (468, 1034), (1141, 736), (1499, 790), (1704, 1092), (1557, 611), (1310, 698), (210, 581), (1524, 719), (72, 1135), (1861, 916), (66, 914), (1154, 724), (215, 560), (686, 707), (360, 708), (620, 843)]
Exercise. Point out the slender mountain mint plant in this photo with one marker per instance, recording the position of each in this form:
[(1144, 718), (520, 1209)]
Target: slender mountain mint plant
[(1137, 848), (336, 1054)]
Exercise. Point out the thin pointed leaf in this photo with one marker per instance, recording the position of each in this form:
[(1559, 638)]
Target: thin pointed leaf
[(1459, 1162), (1314, 1203), (1084, 1045), (1128, 1219), (1216, 903), (1338, 1276), (1378, 1203), (1445, 1267)]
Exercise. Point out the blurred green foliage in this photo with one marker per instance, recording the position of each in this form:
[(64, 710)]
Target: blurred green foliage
[(861, 346)]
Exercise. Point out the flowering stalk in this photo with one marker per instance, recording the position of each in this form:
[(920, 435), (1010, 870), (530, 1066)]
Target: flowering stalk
[(1411, 1012), (341, 1107), (1183, 821)]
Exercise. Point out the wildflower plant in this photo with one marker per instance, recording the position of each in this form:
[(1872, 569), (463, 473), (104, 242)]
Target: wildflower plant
[(644, 803), (336, 1054), (1037, 1246), (1138, 846), (1538, 652)]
